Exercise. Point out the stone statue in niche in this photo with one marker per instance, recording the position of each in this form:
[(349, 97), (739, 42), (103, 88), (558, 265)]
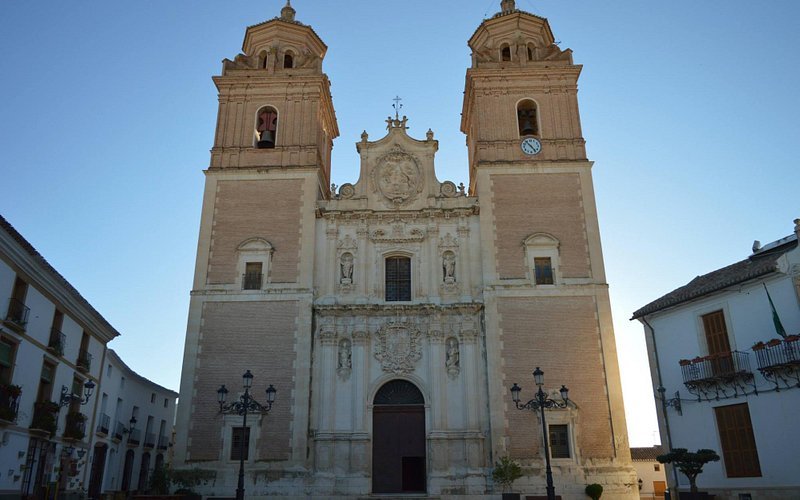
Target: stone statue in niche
[(346, 269), (345, 364), (449, 267), (452, 362)]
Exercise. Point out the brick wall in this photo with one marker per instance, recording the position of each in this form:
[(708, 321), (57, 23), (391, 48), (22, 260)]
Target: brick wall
[(270, 209), (560, 335), (237, 336), (530, 203)]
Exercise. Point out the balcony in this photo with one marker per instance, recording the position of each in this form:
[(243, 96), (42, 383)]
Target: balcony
[(252, 281), (76, 426), (779, 361), (163, 442), (17, 315), (57, 342), (149, 440), (135, 437), (84, 361), (718, 376), (44, 418), (119, 431), (9, 403), (103, 425)]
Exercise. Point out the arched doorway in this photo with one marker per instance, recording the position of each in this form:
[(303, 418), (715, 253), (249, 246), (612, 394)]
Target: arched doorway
[(398, 439), (98, 466), (127, 471)]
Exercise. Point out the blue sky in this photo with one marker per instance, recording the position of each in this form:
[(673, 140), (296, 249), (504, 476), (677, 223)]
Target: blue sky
[(689, 110)]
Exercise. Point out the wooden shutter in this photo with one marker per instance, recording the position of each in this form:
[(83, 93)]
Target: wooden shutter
[(559, 441), (716, 333), (398, 279), (738, 442), (240, 437)]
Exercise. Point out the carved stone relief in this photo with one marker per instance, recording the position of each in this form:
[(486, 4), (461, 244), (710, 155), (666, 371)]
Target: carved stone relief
[(346, 268), (397, 177), (398, 347), (449, 268), (398, 234), (345, 364), (452, 359), (448, 248), (346, 249)]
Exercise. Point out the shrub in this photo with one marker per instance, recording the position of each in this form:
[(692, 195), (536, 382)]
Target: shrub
[(594, 491), (505, 472)]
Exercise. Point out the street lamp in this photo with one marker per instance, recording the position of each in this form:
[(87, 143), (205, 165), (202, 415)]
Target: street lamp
[(540, 402), (244, 405), (67, 397)]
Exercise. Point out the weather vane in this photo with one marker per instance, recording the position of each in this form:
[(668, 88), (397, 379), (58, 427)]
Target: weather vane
[(397, 107)]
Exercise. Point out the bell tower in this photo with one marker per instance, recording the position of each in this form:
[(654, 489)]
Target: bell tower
[(544, 284), (275, 106)]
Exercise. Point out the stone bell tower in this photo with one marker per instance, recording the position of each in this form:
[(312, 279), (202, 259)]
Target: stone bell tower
[(252, 294), (545, 292)]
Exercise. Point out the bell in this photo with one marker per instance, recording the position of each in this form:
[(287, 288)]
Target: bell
[(266, 141)]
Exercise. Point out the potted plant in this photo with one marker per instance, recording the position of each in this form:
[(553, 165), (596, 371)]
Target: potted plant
[(758, 346), (689, 463), (505, 472), (594, 491)]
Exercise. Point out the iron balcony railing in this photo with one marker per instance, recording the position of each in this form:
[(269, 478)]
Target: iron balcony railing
[(119, 430), (104, 424), (17, 312), (84, 360), (149, 440), (57, 342), (778, 353), (9, 402), (252, 281), (75, 427), (716, 366), (135, 437), (44, 416), (163, 442)]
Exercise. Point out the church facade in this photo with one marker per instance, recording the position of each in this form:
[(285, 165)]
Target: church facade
[(392, 315)]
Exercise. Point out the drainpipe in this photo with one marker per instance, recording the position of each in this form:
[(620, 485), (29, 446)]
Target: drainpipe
[(661, 392)]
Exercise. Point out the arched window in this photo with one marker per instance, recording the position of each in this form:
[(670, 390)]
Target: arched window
[(266, 127), (527, 118), (505, 52), (399, 392), (288, 59), (262, 60), (398, 279)]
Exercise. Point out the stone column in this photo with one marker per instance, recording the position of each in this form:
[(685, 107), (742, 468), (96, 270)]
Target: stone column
[(364, 257), (328, 357), (470, 363), (360, 376), (331, 278), (464, 264), (436, 370), (434, 262)]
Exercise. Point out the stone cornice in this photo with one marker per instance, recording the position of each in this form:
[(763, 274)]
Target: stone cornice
[(387, 217), (349, 310)]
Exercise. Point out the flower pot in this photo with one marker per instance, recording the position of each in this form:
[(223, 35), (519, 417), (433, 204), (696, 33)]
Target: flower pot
[(511, 496)]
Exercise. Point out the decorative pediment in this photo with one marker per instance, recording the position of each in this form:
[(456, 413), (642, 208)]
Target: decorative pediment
[(397, 177), (398, 234)]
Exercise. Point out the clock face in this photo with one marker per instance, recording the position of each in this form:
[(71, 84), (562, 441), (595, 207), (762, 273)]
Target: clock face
[(531, 146)]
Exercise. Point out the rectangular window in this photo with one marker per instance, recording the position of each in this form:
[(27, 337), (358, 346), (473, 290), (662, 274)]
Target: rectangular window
[(559, 441), (240, 441), (166, 402), (543, 268), (253, 274), (17, 310), (7, 351), (398, 279), (152, 397), (46, 382), (737, 440)]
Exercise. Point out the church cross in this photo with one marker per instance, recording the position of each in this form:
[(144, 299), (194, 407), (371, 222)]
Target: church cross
[(397, 107)]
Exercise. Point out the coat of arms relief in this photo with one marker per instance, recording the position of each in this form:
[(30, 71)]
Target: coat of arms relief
[(397, 177), (398, 347)]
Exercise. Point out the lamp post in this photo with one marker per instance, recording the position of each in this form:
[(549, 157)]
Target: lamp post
[(244, 405), (67, 397), (540, 402)]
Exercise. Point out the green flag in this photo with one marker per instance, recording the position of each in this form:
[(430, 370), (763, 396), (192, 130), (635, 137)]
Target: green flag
[(776, 320)]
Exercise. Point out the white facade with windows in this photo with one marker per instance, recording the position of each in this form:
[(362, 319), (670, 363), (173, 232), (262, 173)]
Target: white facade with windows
[(730, 371), (133, 431), (52, 345), (51, 342)]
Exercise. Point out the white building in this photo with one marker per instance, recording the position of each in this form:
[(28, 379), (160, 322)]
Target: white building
[(725, 356), (53, 438), (52, 343), (650, 473), (133, 431)]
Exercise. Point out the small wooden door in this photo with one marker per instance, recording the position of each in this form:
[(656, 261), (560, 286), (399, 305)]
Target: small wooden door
[(98, 466)]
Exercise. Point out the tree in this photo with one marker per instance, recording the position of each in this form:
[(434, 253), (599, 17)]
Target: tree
[(505, 472), (689, 463), (594, 491)]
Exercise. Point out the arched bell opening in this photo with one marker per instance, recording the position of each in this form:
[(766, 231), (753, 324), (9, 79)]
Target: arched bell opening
[(399, 462), (266, 127), (527, 118)]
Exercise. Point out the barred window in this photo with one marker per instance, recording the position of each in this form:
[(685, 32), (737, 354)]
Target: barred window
[(559, 441), (543, 267), (398, 279), (240, 437)]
